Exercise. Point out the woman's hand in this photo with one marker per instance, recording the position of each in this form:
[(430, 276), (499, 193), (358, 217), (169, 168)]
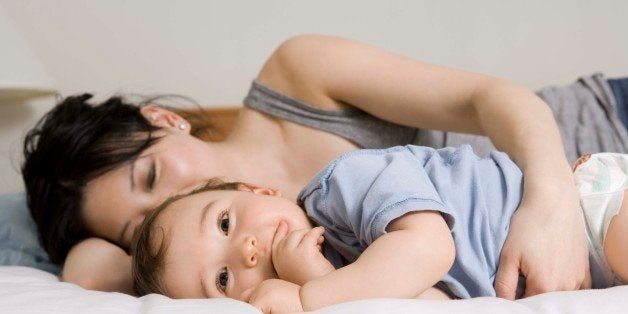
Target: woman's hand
[(96, 264), (277, 296), (297, 256), (546, 243)]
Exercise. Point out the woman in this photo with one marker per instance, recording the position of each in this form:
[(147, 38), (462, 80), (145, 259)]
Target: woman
[(82, 182)]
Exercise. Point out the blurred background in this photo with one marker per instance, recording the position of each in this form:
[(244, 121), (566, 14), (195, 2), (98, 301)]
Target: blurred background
[(211, 50)]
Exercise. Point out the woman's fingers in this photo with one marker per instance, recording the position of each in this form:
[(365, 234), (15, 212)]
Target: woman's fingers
[(507, 278)]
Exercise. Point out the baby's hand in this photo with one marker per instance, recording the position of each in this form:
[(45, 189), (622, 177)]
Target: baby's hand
[(297, 257), (277, 296)]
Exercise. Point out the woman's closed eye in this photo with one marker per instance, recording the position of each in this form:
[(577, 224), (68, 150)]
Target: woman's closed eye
[(151, 176)]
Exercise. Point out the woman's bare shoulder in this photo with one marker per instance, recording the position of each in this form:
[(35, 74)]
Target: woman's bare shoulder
[(294, 69)]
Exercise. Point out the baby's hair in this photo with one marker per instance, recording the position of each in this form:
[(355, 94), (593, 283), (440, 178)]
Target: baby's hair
[(148, 263)]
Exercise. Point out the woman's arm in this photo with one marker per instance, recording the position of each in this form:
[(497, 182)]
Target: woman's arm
[(96, 264), (415, 254), (546, 242)]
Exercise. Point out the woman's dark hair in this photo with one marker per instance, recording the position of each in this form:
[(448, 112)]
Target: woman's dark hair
[(72, 144)]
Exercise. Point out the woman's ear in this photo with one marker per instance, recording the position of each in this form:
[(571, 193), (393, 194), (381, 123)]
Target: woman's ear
[(165, 118), (258, 190)]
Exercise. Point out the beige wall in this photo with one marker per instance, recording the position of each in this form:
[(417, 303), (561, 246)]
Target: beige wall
[(211, 50)]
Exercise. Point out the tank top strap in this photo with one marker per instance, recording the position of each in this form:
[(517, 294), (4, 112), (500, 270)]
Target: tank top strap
[(353, 124)]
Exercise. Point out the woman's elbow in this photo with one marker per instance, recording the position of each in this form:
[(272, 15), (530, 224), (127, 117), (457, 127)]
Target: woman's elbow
[(96, 264)]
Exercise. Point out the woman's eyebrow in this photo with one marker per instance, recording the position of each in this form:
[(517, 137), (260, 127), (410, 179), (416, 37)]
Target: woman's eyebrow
[(132, 172), (132, 176), (132, 180)]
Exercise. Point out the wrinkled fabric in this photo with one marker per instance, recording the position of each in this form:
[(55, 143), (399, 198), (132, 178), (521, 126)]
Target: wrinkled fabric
[(361, 192)]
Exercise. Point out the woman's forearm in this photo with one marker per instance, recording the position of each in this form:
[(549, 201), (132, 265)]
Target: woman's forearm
[(545, 241), (520, 123), (96, 264), (389, 267)]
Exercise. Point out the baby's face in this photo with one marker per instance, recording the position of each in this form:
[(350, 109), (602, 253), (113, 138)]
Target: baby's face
[(220, 241)]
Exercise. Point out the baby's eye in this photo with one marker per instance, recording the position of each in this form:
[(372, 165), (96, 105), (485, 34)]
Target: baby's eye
[(224, 221), (222, 279)]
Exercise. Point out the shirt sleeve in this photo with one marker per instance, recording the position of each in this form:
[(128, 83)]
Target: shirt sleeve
[(363, 192)]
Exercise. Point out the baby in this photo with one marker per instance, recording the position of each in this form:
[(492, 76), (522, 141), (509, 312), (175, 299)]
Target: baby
[(396, 221)]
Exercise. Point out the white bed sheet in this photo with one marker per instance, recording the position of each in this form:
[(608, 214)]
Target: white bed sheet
[(28, 290)]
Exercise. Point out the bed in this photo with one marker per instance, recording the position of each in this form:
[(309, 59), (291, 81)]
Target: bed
[(34, 287), (29, 290)]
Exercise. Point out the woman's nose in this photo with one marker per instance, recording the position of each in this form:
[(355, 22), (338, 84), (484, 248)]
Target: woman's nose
[(249, 251)]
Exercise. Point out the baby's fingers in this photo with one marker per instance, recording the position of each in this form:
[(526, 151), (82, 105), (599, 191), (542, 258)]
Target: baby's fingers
[(293, 239), (313, 237)]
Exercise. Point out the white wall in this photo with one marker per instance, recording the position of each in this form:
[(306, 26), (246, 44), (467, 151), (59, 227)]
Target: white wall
[(211, 50)]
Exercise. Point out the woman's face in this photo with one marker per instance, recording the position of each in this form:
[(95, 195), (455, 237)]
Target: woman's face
[(117, 202)]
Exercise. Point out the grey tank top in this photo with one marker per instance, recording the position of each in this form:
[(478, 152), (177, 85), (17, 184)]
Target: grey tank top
[(585, 112)]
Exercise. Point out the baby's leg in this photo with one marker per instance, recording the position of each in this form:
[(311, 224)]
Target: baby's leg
[(433, 294), (616, 243)]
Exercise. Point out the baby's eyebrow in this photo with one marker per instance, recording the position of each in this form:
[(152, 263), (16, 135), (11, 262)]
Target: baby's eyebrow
[(204, 288), (203, 218), (203, 222)]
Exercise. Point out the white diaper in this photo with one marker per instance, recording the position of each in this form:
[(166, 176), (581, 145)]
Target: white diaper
[(602, 181)]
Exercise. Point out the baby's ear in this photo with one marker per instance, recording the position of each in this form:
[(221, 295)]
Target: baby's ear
[(258, 190)]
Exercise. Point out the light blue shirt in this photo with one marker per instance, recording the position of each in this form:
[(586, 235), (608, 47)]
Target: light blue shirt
[(360, 193)]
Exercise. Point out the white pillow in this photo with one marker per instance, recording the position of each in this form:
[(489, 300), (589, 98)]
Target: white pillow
[(29, 290), (24, 289)]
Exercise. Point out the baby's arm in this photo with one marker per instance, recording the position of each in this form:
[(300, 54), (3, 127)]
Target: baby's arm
[(415, 254)]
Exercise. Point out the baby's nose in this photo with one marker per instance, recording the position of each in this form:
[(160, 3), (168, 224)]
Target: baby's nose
[(249, 251)]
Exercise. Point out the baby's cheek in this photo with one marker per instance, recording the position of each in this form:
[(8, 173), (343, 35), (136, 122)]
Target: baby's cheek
[(258, 222)]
